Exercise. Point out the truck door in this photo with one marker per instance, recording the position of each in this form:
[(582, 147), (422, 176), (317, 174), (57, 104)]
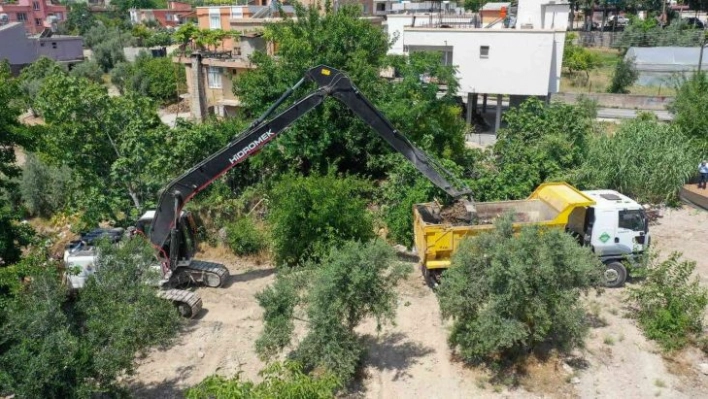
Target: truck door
[(603, 233), (632, 232)]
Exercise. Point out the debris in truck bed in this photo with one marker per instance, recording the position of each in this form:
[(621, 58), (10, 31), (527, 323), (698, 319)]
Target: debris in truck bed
[(455, 214)]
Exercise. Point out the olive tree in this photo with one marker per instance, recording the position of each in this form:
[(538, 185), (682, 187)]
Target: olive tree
[(507, 294)]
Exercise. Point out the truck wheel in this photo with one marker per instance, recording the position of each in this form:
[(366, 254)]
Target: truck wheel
[(615, 274)]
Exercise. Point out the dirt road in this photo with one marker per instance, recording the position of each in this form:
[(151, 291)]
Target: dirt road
[(411, 359)]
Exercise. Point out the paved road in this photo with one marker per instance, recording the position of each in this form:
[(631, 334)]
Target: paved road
[(617, 113)]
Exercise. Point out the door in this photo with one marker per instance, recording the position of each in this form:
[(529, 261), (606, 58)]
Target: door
[(603, 228), (632, 232)]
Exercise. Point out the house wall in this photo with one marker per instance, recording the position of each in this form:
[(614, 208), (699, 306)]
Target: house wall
[(61, 48), (519, 62)]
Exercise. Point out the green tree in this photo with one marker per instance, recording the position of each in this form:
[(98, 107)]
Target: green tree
[(624, 76), (577, 58), (690, 107), (45, 189), (309, 215), (89, 70), (107, 44), (118, 138), (352, 283), (644, 159), (12, 134), (541, 142), (32, 77), (331, 135), (507, 294), (155, 77), (55, 347), (473, 5), (79, 18)]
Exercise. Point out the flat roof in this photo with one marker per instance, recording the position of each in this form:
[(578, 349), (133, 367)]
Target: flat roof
[(8, 25)]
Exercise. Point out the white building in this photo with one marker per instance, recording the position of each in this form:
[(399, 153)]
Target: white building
[(520, 61)]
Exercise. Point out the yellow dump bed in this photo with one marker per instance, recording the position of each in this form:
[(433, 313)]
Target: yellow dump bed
[(550, 205)]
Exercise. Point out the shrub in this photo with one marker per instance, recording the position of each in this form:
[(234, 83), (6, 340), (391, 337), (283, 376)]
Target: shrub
[(309, 215), (644, 159), (404, 188), (45, 189), (541, 142), (89, 70), (57, 347), (624, 76), (244, 238), (280, 380), (354, 282), (507, 294), (670, 305)]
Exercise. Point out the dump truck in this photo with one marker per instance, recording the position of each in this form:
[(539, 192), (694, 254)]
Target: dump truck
[(613, 225)]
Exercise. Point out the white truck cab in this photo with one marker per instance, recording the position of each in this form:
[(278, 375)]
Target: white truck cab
[(616, 228)]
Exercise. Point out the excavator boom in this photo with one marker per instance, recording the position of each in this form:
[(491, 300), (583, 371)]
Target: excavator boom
[(330, 82)]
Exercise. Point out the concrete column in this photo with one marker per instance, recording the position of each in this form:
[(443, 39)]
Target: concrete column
[(469, 108), (198, 106), (497, 122)]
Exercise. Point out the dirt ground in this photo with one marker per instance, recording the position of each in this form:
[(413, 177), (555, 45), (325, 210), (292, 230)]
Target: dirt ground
[(412, 359)]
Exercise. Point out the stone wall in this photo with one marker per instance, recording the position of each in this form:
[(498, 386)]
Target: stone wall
[(626, 101)]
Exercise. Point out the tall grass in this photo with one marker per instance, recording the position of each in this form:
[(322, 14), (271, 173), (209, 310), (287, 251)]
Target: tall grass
[(644, 159)]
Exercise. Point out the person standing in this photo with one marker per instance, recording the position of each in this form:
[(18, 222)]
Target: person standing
[(703, 170)]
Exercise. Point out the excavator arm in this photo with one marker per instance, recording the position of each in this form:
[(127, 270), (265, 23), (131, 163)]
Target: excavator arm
[(331, 82)]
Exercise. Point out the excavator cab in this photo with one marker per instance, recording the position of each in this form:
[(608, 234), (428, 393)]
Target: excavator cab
[(187, 228)]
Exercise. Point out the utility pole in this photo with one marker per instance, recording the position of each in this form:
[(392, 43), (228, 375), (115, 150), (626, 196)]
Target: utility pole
[(700, 57)]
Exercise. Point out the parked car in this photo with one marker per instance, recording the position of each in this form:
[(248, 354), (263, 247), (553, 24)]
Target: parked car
[(695, 22)]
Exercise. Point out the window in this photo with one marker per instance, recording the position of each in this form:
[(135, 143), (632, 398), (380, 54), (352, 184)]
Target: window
[(632, 220), (483, 51), (54, 44), (214, 78), (59, 16), (380, 6), (236, 12), (168, 17), (35, 5), (38, 21), (214, 18), (22, 17)]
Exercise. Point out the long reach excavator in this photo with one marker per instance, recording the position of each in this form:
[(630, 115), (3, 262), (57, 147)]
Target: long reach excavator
[(171, 229)]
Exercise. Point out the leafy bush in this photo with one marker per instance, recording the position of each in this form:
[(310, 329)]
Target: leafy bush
[(54, 347), (107, 45), (155, 77), (625, 74), (670, 305), (644, 159), (244, 238), (280, 380), (45, 189), (353, 283), (309, 215), (541, 142), (577, 58), (405, 187), (89, 70), (507, 294)]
